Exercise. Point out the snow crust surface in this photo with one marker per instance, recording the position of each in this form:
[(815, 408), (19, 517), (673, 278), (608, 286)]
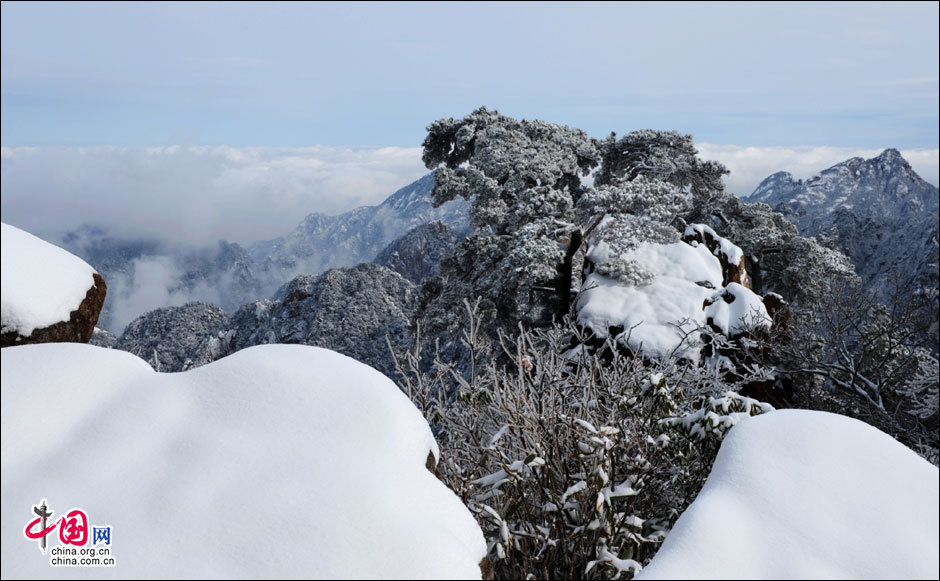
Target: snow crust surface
[(733, 254), (280, 461), (649, 313), (811, 495), (40, 284), (746, 310)]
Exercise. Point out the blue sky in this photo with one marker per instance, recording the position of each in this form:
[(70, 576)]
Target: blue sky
[(767, 74), (198, 121)]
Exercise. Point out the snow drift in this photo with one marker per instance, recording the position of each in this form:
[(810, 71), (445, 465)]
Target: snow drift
[(280, 461), (812, 495)]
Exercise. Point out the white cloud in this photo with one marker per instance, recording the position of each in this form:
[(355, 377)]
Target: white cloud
[(195, 194), (201, 194), (750, 165)]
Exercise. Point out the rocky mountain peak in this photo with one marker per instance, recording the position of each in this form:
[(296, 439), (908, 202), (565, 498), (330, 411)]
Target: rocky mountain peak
[(877, 211)]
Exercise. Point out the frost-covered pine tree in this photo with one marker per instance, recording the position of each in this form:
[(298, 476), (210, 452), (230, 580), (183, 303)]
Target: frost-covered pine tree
[(524, 179)]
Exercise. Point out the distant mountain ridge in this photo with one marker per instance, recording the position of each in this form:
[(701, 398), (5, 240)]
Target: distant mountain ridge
[(231, 275), (321, 242), (877, 211)]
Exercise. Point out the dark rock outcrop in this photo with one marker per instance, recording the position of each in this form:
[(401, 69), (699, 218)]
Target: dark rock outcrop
[(78, 329)]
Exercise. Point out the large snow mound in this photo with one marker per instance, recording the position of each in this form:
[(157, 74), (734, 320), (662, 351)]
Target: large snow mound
[(40, 284), (656, 316), (804, 494), (280, 461)]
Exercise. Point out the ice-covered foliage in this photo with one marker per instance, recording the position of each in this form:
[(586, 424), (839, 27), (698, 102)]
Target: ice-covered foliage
[(41, 284), (796, 494), (178, 338), (417, 255), (570, 461), (612, 247), (280, 461), (856, 357), (778, 259), (497, 159), (524, 178), (658, 200), (667, 156), (718, 415)]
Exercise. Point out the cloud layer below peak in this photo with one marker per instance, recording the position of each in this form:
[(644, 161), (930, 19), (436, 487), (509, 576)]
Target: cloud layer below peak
[(200, 194)]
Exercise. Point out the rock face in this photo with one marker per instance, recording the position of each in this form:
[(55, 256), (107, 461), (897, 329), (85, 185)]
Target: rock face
[(417, 255), (177, 338), (78, 329), (878, 211)]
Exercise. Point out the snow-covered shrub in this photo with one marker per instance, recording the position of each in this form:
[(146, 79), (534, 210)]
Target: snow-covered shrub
[(576, 467)]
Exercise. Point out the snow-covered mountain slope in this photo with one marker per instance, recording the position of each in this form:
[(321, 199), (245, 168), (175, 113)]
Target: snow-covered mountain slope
[(417, 255), (878, 211), (797, 494), (321, 242), (149, 274), (178, 338), (280, 461), (349, 310)]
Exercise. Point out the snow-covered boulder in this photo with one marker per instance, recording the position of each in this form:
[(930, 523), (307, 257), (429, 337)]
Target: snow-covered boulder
[(654, 315), (735, 310), (797, 494), (280, 461), (48, 295)]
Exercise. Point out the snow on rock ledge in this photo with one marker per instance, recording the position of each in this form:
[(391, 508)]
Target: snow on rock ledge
[(810, 495), (280, 461), (731, 257), (48, 294)]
